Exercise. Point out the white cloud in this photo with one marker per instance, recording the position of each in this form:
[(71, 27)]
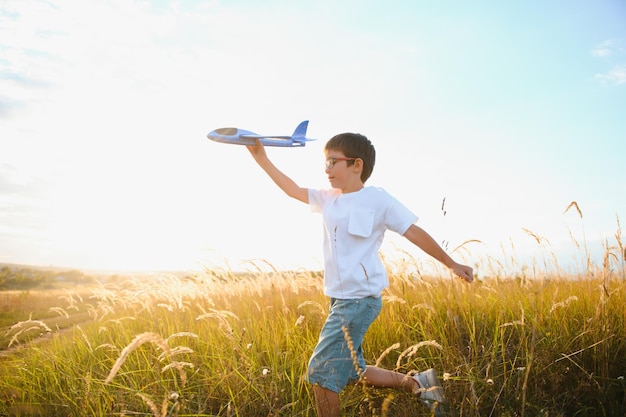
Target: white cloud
[(611, 51), (606, 48), (616, 76)]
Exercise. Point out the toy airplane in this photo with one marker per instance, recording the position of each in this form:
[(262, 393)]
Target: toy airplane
[(237, 136)]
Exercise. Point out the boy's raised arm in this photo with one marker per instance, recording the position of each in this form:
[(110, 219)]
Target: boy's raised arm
[(283, 181), (425, 242)]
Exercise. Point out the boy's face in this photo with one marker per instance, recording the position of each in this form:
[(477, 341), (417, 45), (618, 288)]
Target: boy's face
[(346, 177)]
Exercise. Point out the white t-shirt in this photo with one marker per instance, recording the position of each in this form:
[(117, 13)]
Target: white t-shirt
[(354, 227)]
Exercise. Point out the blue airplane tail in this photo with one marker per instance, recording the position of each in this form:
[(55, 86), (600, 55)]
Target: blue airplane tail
[(299, 135)]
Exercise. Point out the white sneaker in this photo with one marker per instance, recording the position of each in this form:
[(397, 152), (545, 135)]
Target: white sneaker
[(430, 391)]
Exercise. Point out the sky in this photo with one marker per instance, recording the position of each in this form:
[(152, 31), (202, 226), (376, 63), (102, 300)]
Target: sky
[(489, 118)]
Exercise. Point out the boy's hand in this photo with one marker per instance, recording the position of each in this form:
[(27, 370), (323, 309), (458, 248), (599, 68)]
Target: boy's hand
[(464, 272), (284, 182), (257, 151)]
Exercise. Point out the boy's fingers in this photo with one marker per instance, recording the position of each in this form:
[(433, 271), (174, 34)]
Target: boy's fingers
[(466, 274)]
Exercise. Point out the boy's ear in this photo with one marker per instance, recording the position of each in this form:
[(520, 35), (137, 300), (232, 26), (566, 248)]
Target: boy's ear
[(358, 164)]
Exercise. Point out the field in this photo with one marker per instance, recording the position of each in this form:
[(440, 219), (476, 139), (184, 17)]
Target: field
[(221, 343)]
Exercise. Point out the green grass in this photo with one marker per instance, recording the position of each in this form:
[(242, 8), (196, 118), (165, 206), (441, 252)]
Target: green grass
[(540, 343), (227, 345), (28, 315)]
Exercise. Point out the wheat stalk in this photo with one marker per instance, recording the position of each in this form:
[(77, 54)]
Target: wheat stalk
[(182, 334), (84, 336), (355, 361), (411, 350), (386, 352), (59, 311), (153, 408), (38, 324), (575, 205), (563, 303), (315, 304), (139, 340)]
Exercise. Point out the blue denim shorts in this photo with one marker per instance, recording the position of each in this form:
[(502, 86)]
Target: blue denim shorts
[(332, 365)]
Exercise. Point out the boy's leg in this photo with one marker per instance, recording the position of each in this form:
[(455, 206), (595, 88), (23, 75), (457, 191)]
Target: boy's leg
[(425, 384), (383, 378), (332, 365), (326, 402)]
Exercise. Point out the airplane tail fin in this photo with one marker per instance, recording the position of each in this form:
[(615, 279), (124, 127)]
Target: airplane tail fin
[(299, 135), (300, 132)]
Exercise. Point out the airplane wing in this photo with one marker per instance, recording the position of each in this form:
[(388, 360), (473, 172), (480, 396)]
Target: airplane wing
[(265, 137)]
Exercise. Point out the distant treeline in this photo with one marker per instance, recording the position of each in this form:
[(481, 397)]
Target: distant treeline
[(18, 278)]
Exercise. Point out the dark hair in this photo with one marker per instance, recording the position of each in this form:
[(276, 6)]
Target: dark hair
[(354, 145)]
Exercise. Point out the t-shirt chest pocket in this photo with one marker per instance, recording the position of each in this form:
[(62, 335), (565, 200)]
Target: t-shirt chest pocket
[(361, 222)]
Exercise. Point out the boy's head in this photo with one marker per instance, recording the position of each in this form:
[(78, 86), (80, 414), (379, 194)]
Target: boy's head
[(354, 145)]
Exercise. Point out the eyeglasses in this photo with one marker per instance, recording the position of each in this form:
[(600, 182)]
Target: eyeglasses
[(330, 162)]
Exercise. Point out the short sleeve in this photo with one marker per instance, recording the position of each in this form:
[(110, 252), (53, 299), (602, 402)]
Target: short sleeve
[(399, 218), (315, 201), (317, 198)]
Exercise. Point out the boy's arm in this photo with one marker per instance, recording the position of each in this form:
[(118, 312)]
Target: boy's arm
[(424, 241), (283, 181)]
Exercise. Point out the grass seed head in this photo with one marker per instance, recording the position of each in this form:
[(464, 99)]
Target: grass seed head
[(411, 350), (139, 340)]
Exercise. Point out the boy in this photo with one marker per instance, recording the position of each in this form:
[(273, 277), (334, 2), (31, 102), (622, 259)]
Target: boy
[(355, 218)]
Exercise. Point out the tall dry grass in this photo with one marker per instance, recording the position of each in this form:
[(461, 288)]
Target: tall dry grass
[(227, 344)]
